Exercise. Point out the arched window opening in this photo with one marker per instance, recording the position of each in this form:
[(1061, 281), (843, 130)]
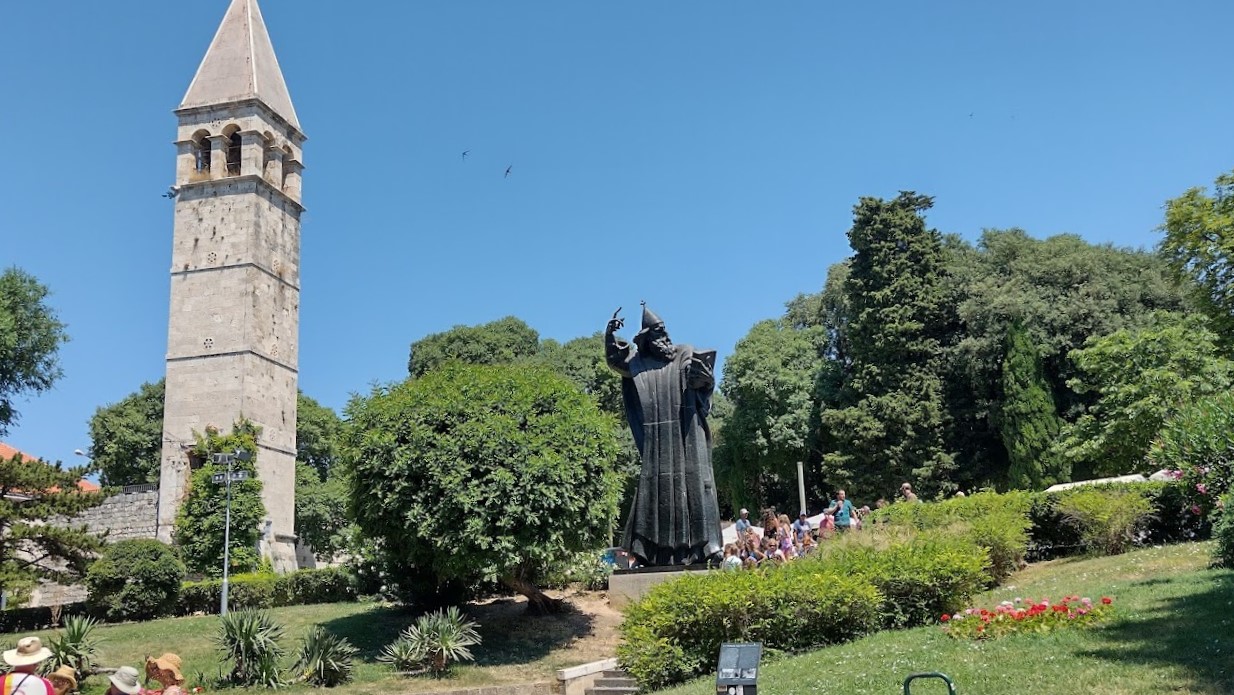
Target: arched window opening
[(201, 152), (233, 154), (287, 164)]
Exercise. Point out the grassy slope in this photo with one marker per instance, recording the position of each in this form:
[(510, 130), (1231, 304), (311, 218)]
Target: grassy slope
[(1173, 633), (515, 648)]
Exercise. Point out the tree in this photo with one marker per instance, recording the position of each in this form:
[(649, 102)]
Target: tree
[(137, 579), (1140, 377), (770, 379), (200, 523), (1199, 245), (498, 342), (32, 494), (30, 339), (482, 473), (317, 433), (1028, 420), (126, 437), (581, 360), (888, 424), (1063, 291), (322, 521)]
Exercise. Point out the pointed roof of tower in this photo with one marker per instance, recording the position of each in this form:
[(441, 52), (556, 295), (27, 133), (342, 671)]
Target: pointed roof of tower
[(241, 65)]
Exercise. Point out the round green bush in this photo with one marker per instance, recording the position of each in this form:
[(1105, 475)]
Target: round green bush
[(134, 580), (1223, 533)]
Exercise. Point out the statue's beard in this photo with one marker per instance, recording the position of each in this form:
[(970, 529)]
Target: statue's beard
[(662, 349)]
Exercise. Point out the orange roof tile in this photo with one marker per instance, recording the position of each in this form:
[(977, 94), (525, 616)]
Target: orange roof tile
[(8, 452)]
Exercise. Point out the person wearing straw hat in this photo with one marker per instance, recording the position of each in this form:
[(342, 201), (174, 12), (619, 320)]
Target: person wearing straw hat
[(166, 671), (23, 662), (63, 680), (124, 682)]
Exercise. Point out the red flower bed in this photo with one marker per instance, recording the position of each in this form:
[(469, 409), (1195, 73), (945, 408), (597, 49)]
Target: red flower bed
[(1011, 617)]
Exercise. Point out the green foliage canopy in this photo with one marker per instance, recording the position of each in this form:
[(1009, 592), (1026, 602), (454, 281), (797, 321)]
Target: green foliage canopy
[(32, 492), (201, 520), (30, 339), (1029, 422), (887, 425), (475, 472), (1199, 243), (135, 580), (770, 379), (1140, 377), (126, 437), (498, 342)]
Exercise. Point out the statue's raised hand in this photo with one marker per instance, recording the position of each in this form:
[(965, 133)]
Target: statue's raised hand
[(615, 323)]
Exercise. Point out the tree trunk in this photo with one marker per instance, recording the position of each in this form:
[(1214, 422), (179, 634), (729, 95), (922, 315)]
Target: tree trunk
[(537, 602)]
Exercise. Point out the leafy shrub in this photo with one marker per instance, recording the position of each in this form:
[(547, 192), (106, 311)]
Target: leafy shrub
[(250, 640), (134, 580), (440, 638), (999, 523), (1108, 521), (37, 618), (587, 569), (325, 659), (327, 585), (75, 645), (1223, 533), (1199, 442), (675, 631)]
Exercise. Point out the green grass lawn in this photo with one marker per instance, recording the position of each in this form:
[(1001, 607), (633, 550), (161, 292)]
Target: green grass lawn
[(514, 648), (1173, 632)]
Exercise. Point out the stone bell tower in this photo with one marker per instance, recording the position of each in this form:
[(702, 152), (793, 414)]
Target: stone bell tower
[(235, 270)]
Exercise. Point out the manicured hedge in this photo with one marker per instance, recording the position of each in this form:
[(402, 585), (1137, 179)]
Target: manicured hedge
[(33, 619), (1172, 521), (328, 585), (862, 583)]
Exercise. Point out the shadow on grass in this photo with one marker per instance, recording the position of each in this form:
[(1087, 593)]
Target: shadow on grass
[(508, 635), (371, 630), (1193, 632), (511, 636)]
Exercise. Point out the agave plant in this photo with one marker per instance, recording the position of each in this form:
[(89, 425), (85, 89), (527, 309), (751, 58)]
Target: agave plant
[(444, 636), (325, 659), (75, 646), (403, 656), (250, 640)]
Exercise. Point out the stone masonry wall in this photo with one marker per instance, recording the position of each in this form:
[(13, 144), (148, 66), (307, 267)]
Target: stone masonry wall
[(127, 515)]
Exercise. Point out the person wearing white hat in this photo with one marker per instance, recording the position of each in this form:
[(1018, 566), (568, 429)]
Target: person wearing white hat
[(124, 682), (743, 522), (24, 661)]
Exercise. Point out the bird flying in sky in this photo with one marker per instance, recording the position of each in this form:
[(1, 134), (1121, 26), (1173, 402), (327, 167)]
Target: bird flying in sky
[(508, 170), (465, 153)]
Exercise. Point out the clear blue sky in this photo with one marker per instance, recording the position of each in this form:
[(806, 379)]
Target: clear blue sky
[(730, 138)]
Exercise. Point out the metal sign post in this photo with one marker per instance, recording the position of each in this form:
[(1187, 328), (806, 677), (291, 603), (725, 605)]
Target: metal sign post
[(227, 479)]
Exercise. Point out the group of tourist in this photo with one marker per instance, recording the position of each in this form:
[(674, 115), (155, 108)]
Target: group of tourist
[(782, 540), (23, 676)]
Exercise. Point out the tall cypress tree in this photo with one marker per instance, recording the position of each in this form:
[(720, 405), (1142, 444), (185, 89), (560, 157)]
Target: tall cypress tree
[(1029, 422), (888, 425)]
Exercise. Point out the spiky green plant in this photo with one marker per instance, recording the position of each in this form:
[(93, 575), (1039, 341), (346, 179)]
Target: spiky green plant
[(403, 656), (325, 659), (250, 640), (444, 636), (75, 645)]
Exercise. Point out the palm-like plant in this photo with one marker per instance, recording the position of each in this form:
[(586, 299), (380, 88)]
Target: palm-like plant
[(325, 658), (443, 637), (75, 645), (250, 640), (402, 655)]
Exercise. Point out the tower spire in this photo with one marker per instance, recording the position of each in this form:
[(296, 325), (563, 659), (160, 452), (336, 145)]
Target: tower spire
[(240, 65)]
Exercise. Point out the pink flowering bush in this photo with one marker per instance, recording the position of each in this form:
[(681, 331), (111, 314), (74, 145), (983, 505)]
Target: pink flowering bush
[(1018, 616), (1197, 447)]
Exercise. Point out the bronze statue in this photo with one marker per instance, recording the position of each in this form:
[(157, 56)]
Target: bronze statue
[(675, 519)]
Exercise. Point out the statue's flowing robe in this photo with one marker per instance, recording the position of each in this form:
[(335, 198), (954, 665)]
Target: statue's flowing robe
[(675, 518)]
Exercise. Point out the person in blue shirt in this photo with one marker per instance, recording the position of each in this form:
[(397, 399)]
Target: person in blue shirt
[(743, 522), (842, 510)]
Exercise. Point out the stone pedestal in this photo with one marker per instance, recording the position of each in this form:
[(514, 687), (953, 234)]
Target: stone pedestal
[(626, 586)]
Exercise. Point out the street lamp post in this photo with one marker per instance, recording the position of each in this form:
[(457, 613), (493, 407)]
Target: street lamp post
[(227, 479)]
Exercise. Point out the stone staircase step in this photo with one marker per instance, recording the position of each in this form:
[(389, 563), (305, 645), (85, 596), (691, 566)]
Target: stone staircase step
[(613, 691), (615, 683)]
